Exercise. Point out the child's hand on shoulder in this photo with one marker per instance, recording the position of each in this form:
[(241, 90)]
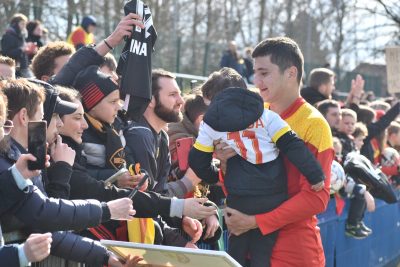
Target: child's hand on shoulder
[(318, 187)]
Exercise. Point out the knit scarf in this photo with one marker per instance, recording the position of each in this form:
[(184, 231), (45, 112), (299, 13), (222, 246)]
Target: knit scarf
[(115, 154)]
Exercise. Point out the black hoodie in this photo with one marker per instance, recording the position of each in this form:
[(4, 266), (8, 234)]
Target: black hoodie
[(252, 188), (312, 95)]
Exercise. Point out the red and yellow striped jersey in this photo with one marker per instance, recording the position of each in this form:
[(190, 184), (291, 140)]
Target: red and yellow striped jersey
[(299, 242)]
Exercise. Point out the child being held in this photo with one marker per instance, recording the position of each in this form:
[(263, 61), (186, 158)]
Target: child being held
[(255, 178)]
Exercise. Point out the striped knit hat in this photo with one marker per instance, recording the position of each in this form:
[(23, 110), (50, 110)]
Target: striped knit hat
[(93, 86)]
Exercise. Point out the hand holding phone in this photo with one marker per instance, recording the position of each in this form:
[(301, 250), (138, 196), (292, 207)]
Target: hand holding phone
[(37, 144), (22, 165)]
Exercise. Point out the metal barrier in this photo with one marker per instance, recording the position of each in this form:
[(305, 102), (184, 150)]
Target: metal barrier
[(53, 261), (380, 249)]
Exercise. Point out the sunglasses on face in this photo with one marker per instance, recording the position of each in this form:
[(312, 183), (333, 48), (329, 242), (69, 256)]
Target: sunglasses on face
[(7, 126)]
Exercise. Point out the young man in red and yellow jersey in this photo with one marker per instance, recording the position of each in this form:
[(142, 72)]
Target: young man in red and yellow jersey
[(278, 65)]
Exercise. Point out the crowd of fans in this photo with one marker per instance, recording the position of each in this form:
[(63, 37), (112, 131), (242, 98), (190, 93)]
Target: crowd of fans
[(74, 87)]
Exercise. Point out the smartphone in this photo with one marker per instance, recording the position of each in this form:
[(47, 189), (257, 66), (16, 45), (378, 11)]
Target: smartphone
[(37, 144), (183, 147)]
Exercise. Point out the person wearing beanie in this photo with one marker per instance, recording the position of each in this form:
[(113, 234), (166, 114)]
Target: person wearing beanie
[(101, 142), (83, 35)]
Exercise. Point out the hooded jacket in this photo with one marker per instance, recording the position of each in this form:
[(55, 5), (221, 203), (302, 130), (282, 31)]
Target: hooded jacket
[(312, 95), (35, 209), (12, 44), (237, 116)]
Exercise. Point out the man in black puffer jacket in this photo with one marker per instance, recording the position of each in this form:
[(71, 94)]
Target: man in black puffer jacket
[(25, 98)]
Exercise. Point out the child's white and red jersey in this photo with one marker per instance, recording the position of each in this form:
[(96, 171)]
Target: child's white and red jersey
[(256, 144)]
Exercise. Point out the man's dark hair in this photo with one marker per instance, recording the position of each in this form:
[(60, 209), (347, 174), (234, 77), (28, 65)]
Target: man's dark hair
[(31, 26), (319, 77), (365, 114), (155, 77), (43, 63), (325, 105), (194, 106), (220, 80), (7, 61), (22, 94), (16, 18), (68, 94), (394, 128), (284, 52), (110, 62)]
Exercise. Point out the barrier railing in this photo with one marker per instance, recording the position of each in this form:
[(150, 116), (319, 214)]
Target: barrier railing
[(381, 248)]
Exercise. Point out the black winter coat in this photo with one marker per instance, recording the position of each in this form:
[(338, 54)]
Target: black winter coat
[(311, 95), (147, 205), (35, 209), (12, 44)]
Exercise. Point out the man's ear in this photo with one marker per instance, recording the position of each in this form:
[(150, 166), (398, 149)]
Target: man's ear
[(152, 103), (22, 117), (292, 72)]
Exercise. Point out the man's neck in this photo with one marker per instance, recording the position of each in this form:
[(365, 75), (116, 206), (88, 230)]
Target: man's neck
[(284, 103), (19, 137), (155, 122)]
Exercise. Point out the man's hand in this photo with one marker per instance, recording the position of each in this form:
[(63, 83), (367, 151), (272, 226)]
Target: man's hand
[(238, 222), (192, 177), (357, 90), (129, 261), (357, 86), (193, 228), (37, 247), (121, 209), (22, 165), (62, 152), (127, 180), (318, 187), (194, 208), (212, 225), (223, 152), (30, 48), (124, 28), (137, 179), (191, 245)]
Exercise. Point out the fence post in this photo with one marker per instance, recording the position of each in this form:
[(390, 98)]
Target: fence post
[(205, 59), (178, 54)]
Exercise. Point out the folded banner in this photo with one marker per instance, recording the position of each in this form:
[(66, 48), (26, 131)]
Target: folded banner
[(134, 64)]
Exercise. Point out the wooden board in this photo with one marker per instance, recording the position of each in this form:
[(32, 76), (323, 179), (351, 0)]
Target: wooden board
[(168, 256), (393, 69)]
